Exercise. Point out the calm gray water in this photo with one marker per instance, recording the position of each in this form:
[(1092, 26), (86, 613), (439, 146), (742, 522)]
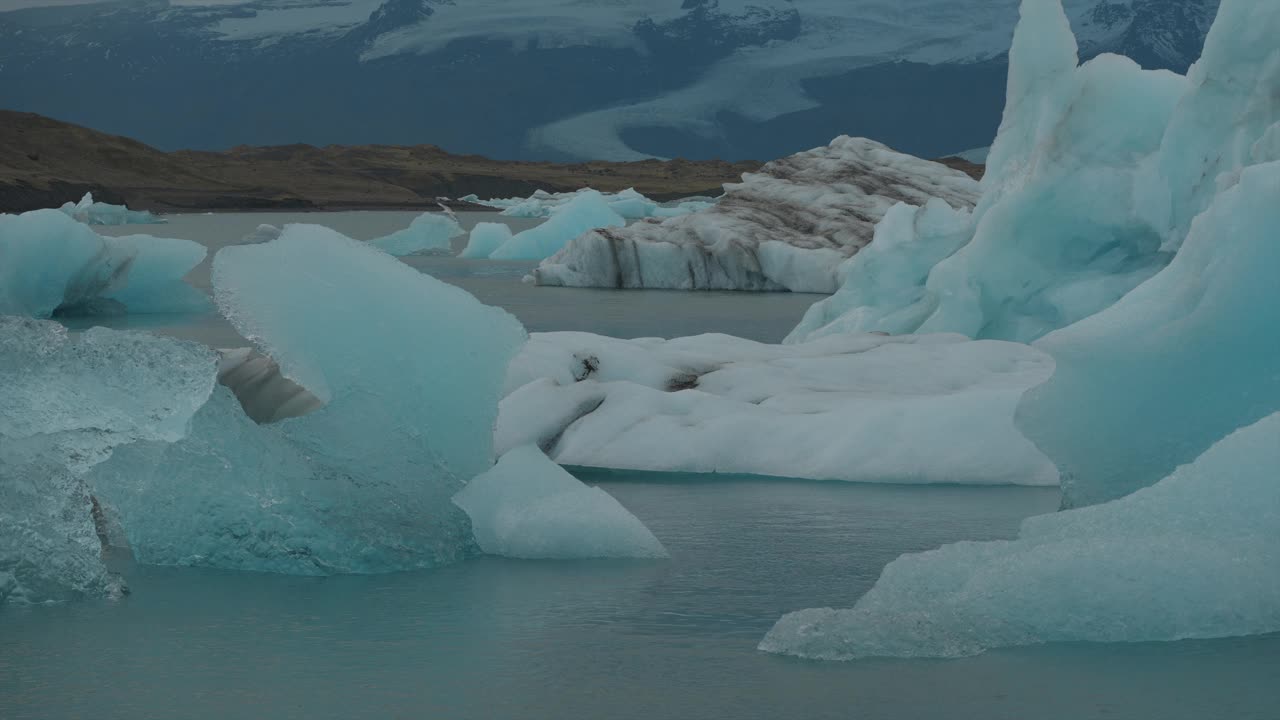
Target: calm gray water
[(494, 638)]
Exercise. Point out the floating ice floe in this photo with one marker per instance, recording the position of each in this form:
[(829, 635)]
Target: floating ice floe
[(1194, 556), (585, 211), (1099, 174), (429, 234), (485, 238), (628, 203), (528, 507), (51, 264), (97, 213), (787, 227), (911, 409), (65, 402), (410, 371)]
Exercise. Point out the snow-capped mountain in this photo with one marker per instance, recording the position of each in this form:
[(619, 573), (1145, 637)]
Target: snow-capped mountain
[(613, 79)]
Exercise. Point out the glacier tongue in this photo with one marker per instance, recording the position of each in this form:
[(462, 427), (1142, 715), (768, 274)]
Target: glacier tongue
[(65, 402), (410, 371), (786, 227)]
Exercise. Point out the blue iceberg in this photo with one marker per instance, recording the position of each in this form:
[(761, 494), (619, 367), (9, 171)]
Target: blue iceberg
[(98, 213)]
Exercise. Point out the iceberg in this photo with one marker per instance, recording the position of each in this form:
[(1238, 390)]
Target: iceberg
[(1055, 237), (429, 233), (586, 211), (1195, 556), (629, 203), (869, 408), (528, 507), (96, 213), (65, 402), (51, 264), (485, 238), (409, 370), (787, 227)]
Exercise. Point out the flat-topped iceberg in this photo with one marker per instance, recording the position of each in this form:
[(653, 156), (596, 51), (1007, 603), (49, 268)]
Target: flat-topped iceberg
[(409, 370), (787, 227), (528, 507), (51, 264), (98, 213), (911, 409), (430, 233), (1195, 556), (65, 402)]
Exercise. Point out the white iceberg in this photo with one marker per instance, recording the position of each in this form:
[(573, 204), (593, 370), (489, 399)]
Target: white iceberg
[(528, 507), (51, 264), (429, 233), (629, 203), (97, 213), (1195, 556), (786, 227), (485, 238), (586, 211), (409, 370), (65, 402), (912, 409)]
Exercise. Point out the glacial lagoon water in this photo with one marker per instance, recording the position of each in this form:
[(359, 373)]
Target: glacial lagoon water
[(496, 638)]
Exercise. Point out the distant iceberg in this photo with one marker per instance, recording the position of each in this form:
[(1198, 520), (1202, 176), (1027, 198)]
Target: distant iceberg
[(485, 239), (628, 203), (585, 211), (429, 233), (528, 507), (50, 264), (868, 408), (97, 213), (787, 227)]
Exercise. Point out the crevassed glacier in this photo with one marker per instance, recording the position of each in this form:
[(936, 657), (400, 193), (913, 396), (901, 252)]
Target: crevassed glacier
[(910, 409), (429, 233), (786, 227), (98, 213), (50, 263), (410, 370), (65, 402), (528, 507), (1194, 556)]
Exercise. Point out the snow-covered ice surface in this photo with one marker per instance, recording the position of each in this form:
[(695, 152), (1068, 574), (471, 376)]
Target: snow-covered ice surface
[(1093, 182), (527, 507), (429, 233), (585, 211), (98, 213), (65, 402), (363, 484), (912, 409), (786, 227), (1194, 556), (50, 263)]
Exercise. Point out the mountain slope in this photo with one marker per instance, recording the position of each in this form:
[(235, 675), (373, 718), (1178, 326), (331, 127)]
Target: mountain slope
[(613, 79)]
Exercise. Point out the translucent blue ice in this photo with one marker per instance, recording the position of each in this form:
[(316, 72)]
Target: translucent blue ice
[(97, 213), (65, 402), (586, 211), (429, 233), (485, 238), (49, 262), (410, 370)]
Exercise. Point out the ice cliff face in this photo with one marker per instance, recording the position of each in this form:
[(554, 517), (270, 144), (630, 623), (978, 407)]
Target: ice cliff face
[(609, 80), (786, 227)]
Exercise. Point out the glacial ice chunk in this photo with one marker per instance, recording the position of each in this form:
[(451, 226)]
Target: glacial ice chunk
[(485, 238), (909, 409), (528, 507), (586, 211), (1177, 364), (65, 402), (97, 213), (429, 233), (1195, 556), (410, 371), (629, 203), (50, 263), (786, 227)]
